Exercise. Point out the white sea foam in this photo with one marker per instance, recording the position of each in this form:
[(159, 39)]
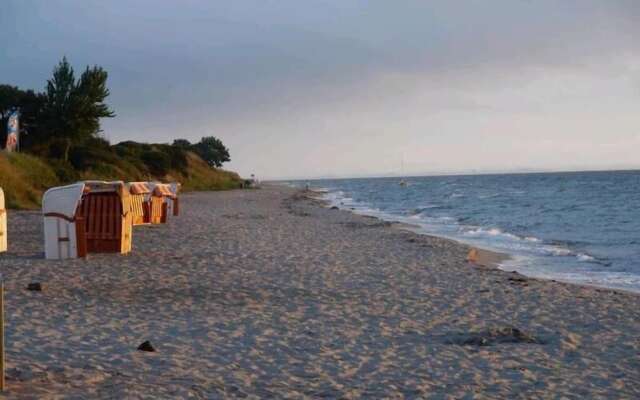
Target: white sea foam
[(558, 251), (585, 257), (491, 232)]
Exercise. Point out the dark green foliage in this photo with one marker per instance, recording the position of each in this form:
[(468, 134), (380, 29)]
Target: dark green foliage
[(64, 170), (91, 153), (62, 127), (72, 110), (177, 156), (212, 151), (182, 143), (131, 149), (158, 159), (158, 162)]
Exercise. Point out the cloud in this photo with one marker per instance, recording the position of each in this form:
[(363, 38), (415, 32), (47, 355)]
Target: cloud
[(342, 80)]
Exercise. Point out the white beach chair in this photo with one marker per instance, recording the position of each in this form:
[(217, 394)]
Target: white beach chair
[(60, 206)]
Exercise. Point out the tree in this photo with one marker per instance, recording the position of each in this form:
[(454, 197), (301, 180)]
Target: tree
[(212, 151), (72, 110)]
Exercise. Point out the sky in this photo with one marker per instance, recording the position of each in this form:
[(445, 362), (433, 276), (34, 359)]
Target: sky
[(339, 88)]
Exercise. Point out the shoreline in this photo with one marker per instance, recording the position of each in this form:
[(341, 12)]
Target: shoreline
[(483, 257), (266, 293), (486, 257)]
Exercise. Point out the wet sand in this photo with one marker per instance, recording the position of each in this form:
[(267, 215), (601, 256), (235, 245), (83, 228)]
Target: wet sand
[(267, 293)]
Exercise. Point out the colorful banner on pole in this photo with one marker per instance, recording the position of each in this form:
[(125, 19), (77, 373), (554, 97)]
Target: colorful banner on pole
[(13, 131)]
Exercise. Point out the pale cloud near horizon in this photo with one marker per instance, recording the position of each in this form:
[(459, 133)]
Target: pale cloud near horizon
[(344, 88)]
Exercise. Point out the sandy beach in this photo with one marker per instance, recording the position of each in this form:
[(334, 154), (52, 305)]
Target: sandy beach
[(270, 294)]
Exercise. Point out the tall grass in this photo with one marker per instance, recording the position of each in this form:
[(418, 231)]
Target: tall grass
[(203, 177), (24, 178)]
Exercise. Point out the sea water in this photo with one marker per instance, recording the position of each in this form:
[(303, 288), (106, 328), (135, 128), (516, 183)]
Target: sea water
[(581, 227)]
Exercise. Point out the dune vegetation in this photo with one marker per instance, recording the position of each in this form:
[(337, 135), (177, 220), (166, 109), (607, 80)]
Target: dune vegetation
[(25, 177), (61, 142)]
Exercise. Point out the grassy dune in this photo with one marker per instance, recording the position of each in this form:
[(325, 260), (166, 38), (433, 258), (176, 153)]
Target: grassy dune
[(24, 178)]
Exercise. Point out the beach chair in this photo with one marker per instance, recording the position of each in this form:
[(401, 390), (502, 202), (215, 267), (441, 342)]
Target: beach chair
[(161, 196), (174, 206), (3, 223), (87, 217), (140, 194)]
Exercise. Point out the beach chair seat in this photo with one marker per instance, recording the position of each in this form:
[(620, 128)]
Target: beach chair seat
[(102, 215), (157, 210)]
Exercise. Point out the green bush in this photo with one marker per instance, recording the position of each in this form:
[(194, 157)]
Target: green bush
[(64, 171), (157, 162), (87, 157)]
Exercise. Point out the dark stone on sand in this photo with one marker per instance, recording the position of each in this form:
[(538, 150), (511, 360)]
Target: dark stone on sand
[(146, 346), (334, 208), (494, 336), (35, 286)]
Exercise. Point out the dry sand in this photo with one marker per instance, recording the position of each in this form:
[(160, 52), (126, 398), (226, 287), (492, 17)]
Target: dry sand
[(265, 293)]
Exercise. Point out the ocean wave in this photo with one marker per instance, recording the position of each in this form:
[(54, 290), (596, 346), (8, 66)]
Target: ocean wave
[(558, 251), (585, 257), (492, 232), (492, 237), (488, 196)]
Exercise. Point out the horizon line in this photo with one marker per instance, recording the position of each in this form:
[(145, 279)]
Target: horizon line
[(453, 173)]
